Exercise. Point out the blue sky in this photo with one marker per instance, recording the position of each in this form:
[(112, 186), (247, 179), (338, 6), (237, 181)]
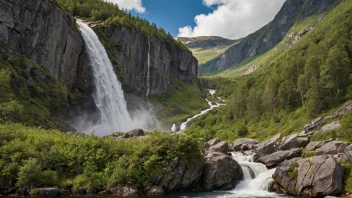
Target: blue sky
[(226, 18), (173, 14)]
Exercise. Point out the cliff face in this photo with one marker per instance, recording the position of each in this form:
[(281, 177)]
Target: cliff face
[(40, 30), (270, 35), (167, 61)]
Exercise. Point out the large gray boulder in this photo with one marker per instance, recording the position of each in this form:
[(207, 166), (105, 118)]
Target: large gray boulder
[(153, 190), (267, 147), (136, 133), (127, 190), (312, 146), (221, 172), (214, 141), (276, 158), (45, 192), (294, 141), (243, 144), (332, 148), (183, 175), (313, 177), (222, 147), (330, 127)]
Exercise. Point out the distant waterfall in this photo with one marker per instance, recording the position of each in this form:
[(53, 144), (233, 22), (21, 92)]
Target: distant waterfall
[(148, 73), (108, 94)]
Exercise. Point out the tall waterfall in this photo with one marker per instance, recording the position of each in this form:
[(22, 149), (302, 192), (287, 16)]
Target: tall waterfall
[(108, 94), (148, 73)]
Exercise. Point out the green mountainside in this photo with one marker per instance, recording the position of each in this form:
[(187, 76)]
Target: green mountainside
[(290, 88)]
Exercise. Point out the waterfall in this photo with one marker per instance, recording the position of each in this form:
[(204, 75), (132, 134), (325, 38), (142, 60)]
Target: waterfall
[(108, 94), (256, 178), (148, 73)]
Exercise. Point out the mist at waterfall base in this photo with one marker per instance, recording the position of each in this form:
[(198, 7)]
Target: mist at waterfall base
[(109, 98)]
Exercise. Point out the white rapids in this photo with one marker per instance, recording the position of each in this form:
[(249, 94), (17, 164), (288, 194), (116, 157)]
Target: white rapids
[(211, 104)]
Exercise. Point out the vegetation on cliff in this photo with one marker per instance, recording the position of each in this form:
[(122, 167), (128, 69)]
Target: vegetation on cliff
[(34, 157), (110, 13), (302, 82)]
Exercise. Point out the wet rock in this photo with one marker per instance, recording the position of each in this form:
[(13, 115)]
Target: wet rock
[(294, 141), (213, 141), (222, 147), (221, 172), (243, 144), (330, 127), (154, 190), (276, 158), (44, 192), (136, 133), (92, 191), (332, 148), (267, 147), (127, 190), (313, 177)]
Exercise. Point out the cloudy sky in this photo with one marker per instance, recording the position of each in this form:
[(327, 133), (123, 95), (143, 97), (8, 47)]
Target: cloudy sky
[(227, 18)]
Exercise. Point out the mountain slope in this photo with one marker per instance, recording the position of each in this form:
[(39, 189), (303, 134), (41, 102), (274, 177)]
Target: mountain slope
[(296, 85), (206, 48), (267, 37)]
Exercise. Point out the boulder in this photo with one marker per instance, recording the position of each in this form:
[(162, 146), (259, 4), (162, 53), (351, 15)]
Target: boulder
[(315, 145), (330, 127), (276, 158), (347, 156), (294, 141), (343, 110), (213, 141), (127, 190), (183, 175), (317, 123), (266, 148), (243, 144), (349, 148), (222, 147), (136, 133), (153, 190), (313, 177), (332, 148), (221, 172), (80, 191), (44, 192)]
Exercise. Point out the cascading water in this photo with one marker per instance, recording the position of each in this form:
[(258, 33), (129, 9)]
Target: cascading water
[(108, 94), (148, 73)]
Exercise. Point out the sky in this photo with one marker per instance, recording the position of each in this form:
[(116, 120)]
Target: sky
[(231, 19)]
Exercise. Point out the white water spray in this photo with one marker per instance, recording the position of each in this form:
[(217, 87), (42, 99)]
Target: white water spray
[(148, 73)]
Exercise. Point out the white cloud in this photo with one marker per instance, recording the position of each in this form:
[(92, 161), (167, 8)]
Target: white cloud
[(130, 5), (233, 18)]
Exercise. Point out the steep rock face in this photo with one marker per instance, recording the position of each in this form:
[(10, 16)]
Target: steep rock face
[(131, 48), (40, 30), (206, 42), (270, 35)]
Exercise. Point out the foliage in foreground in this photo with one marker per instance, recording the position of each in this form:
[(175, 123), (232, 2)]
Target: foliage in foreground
[(35, 157)]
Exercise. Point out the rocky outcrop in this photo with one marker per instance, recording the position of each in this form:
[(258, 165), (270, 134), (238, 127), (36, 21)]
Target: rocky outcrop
[(153, 190), (167, 61), (243, 144), (270, 35), (294, 141), (44, 192), (313, 177), (222, 147), (267, 147), (276, 158), (221, 172), (206, 42), (181, 177), (332, 148), (128, 190), (330, 127), (40, 30), (315, 145)]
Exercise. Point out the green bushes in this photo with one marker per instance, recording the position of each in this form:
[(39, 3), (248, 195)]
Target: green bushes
[(28, 157)]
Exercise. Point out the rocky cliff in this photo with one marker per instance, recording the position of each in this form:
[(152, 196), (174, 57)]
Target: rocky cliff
[(131, 49), (42, 31), (270, 35)]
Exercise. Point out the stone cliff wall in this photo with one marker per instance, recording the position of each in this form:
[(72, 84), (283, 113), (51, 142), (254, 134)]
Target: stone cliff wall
[(40, 30), (167, 61)]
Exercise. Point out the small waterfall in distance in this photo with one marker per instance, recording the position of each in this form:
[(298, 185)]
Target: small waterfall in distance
[(148, 73), (108, 94)]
